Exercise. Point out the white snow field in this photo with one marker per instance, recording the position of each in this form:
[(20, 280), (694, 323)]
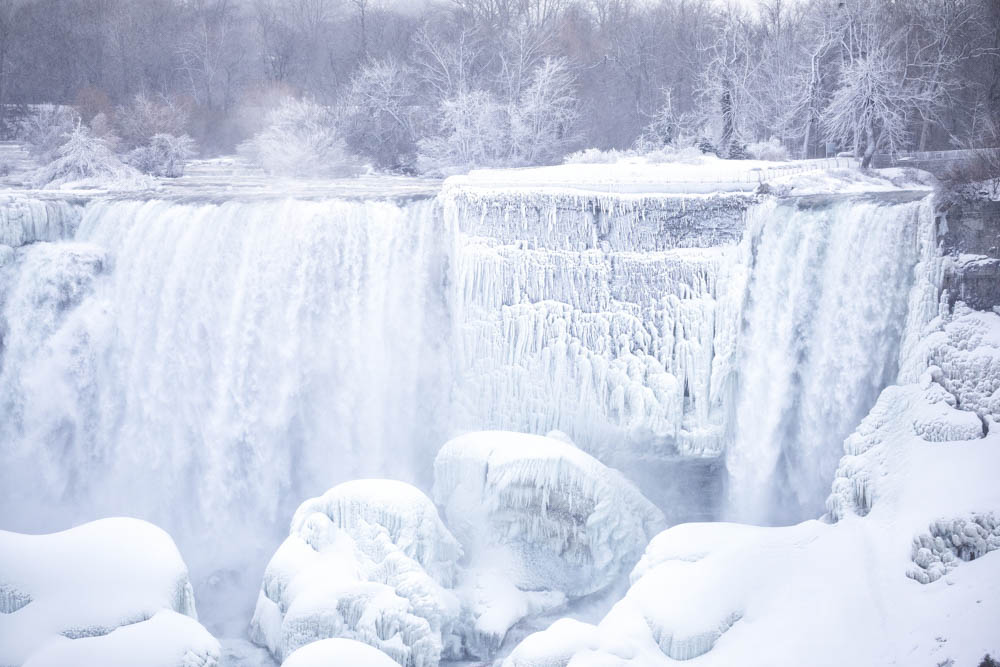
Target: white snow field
[(542, 522), (109, 592), (370, 561), (902, 576)]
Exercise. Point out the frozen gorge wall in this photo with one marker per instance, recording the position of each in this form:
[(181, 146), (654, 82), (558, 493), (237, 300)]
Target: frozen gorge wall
[(208, 366)]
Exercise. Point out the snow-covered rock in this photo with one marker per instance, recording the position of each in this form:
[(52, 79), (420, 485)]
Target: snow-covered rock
[(542, 522), (371, 561), (110, 592), (337, 653), (915, 496)]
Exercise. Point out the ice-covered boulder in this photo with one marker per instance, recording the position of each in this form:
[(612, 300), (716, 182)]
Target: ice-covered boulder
[(105, 593), (338, 653), (541, 521), (369, 560)]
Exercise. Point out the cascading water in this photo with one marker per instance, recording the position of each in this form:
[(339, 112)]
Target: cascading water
[(825, 310), (209, 366)]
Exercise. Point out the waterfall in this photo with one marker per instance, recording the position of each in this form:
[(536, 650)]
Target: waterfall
[(208, 366), (824, 315)]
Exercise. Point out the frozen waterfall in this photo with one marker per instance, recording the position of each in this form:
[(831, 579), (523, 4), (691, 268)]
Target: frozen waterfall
[(208, 366)]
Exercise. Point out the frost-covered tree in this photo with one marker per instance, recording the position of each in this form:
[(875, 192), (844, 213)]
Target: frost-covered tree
[(45, 129), (543, 121), (163, 155), (871, 104), (382, 114), (145, 117), (301, 138), (473, 131)]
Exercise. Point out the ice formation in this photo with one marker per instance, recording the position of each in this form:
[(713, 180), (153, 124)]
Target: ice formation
[(542, 522), (914, 496), (331, 652), (106, 593), (371, 561)]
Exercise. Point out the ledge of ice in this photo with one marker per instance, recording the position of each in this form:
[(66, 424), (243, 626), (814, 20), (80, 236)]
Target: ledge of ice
[(371, 561), (101, 593)]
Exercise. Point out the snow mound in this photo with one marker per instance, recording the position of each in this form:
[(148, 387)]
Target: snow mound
[(346, 652), (950, 542), (104, 589), (168, 639), (541, 520), (371, 561)]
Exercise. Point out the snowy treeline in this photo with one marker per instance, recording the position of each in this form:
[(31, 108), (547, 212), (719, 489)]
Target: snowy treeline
[(438, 86)]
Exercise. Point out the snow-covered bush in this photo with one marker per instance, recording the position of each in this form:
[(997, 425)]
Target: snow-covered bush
[(164, 155), (768, 150), (146, 117), (87, 160), (301, 139), (45, 130)]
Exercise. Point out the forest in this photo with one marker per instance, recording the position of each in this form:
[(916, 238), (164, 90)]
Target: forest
[(448, 84)]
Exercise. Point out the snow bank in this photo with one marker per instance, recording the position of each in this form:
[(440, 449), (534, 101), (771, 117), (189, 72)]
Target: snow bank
[(542, 521), (369, 560), (106, 593), (915, 501), (330, 652)]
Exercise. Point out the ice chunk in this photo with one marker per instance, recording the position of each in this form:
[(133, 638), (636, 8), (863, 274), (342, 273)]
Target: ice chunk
[(541, 520), (88, 582), (369, 560), (330, 652), (950, 542)]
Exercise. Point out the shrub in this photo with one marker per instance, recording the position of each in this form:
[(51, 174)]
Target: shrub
[(301, 139), (45, 130), (768, 150), (473, 132), (87, 159), (706, 146), (145, 117), (164, 155)]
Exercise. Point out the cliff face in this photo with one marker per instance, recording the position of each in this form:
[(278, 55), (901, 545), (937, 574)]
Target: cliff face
[(970, 235)]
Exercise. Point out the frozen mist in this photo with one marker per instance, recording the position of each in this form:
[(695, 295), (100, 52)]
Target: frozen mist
[(207, 366)]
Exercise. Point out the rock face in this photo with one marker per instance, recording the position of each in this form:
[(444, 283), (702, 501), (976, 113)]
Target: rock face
[(370, 561), (970, 234), (110, 592), (541, 521)]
